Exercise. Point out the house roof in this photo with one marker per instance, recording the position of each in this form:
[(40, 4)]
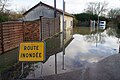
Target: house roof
[(61, 11)]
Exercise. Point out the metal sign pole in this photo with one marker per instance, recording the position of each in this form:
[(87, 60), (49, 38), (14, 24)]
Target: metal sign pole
[(98, 26), (97, 31), (22, 67), (22, 71), (54, 31), (63, 35), (119, 46)]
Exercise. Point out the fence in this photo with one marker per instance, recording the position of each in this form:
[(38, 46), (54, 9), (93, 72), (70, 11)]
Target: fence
[(1, 40), (48, 28), (31, 30), (41, 29), (13, 33)]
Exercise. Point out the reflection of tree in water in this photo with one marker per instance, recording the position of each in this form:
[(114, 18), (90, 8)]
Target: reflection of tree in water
[(118, 33), (99, 37), (114, 31), (111, 32), (95, 38)]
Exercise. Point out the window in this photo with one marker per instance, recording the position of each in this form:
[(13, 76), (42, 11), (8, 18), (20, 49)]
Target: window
[(65, 24), (71, 23)]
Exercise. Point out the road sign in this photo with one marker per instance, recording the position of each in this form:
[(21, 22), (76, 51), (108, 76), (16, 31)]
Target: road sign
[(32, 51)]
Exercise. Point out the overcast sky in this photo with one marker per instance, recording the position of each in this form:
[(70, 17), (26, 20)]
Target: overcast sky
[(72, 6)]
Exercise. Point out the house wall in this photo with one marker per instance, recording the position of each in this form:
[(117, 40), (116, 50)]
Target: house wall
[(68, 21), (45, 11), (40, 10)]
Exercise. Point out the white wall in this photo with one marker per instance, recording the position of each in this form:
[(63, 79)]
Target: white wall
[(40, 10), (68, 27)]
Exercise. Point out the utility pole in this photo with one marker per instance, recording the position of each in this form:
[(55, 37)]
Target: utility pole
[(63, 35), (54, 31)]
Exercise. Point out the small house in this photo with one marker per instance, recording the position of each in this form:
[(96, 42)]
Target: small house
[(45, 10), (102, 24)]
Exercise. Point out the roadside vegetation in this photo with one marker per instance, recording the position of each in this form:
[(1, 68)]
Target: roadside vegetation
[(6, 14), (95, 9)]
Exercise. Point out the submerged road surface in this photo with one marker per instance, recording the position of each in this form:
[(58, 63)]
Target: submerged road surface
[(86, 58), (106, 69)]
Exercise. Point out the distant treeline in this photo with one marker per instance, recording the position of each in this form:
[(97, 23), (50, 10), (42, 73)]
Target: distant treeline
[(88, 17), (84, 18)]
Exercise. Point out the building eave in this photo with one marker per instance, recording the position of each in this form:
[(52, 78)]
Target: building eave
[(41, 3)]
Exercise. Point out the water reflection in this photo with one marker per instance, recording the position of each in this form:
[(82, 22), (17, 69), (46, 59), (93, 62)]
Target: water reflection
[(118, 33), (96, 38), (88, 50), (82, 52)]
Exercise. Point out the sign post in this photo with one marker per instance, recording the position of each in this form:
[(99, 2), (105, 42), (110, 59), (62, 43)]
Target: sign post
[(63, 34), (31, 52), (54, 31)]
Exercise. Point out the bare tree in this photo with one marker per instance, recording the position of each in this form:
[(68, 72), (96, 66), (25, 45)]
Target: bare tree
[(23, 10), (113, 13), (3, 5), (96, 8)]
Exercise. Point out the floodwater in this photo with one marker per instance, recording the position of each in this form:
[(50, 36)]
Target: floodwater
[(85, 49)]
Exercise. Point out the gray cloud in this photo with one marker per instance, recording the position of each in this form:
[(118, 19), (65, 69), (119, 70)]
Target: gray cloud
[(72, 6)]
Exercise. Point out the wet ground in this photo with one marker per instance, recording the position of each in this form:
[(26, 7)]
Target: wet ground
[(82, 55)]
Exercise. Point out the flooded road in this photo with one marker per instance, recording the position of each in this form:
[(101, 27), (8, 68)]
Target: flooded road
[(84, 50)]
